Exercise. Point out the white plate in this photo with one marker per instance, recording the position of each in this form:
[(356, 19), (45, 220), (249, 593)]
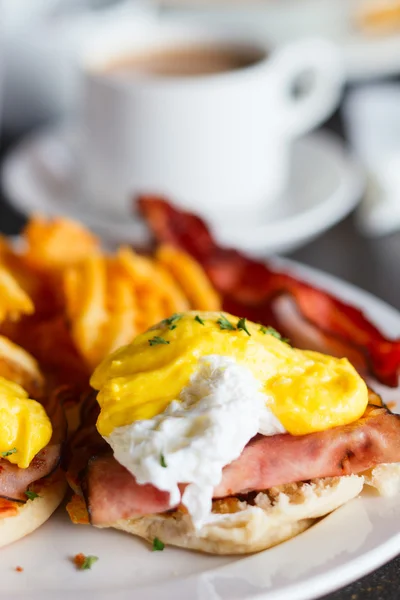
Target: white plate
[(347, 544), (42, 175), (365, 55)]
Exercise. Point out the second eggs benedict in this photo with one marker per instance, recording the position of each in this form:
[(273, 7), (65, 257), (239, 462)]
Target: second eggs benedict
[(32, 433)]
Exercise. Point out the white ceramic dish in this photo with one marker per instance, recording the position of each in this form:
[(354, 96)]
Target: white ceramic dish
[(354, 540), (42, 174), (365, 55)]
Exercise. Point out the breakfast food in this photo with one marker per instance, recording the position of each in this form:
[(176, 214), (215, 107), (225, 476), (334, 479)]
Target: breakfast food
[(311, 317), (224, 437), (206, 431), (69, 303), (32, 433)]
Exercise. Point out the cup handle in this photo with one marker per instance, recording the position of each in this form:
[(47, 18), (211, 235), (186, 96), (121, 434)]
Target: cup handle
[(320, 59)]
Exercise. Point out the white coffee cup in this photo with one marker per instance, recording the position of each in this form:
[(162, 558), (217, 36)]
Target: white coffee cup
[(219, 144)]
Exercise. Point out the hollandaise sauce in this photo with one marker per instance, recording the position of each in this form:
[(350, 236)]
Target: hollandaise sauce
[(25, 427)]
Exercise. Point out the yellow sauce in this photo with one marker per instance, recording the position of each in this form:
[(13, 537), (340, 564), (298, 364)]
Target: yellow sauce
[(24, 425), (306, 391)]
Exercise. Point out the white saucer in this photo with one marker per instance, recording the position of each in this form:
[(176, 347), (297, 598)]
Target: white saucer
[(42, 175)]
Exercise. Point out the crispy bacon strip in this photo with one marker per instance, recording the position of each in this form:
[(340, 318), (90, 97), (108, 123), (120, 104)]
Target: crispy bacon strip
[(112, 492), (251, 288), (15, 481)]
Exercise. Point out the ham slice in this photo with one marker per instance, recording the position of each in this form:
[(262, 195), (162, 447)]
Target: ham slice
[(346, 450), (112, 493), (14, 481)]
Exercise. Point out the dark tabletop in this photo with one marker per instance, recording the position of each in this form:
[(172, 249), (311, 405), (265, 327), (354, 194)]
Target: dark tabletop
[(371, 264)]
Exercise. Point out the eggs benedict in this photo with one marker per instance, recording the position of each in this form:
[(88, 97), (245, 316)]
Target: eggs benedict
[(217, 435), (31, 435)]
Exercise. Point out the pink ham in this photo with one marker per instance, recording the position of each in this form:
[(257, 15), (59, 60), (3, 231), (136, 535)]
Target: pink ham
[(15, 481), (270, 461), (112, 492)]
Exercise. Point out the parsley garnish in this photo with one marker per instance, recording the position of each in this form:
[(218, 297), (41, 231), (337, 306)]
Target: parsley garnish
[(199, 320), (9, 452), (241, 324), (274, 333), (162, 461), (88, 562), (157, 340), (158, 545), (172, 320), (31, 495), (225, 324)]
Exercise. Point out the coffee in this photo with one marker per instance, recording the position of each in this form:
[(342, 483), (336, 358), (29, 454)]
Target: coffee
[(181, 61)]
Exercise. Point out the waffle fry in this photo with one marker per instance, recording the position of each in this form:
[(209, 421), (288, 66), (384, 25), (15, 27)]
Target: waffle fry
[(159, 295), (57, 243), (190, 276), (85, 292), (87, 303), (122, 308), (14, 302), (101, 307)]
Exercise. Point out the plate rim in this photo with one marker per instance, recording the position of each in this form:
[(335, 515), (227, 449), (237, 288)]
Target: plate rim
[(312, 587)]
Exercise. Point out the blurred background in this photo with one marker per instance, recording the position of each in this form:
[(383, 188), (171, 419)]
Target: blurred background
[(338, 208), (338, 204)]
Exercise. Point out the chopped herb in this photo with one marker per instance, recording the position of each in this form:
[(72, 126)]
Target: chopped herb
[(89, 561), (157, 340), (175, 317), (172, 320), (241, 324), (9, 452), (83, 562), (162, 461), (225, 324), (274, 333), (31, 495), (158, 545), (199, 320)]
